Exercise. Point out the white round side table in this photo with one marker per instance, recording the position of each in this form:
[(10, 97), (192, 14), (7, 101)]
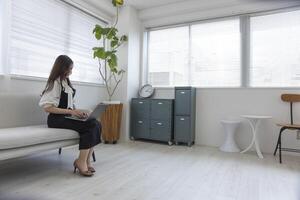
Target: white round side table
[(229, 144), (254, 121)]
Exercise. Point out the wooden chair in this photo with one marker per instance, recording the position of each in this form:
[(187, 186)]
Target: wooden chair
[(291, 98)]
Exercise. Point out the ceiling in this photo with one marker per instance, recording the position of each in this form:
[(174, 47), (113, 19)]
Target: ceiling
[(146, 4), (143, 4)]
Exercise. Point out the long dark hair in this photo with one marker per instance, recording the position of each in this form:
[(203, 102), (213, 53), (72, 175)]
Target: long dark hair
[(60, 69)]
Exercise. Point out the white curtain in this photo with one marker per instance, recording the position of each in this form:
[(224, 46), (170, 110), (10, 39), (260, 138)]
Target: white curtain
[(43, 29)]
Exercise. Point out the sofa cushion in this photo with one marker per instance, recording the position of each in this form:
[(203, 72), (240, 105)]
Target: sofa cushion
[(17, 110), (31, 135)]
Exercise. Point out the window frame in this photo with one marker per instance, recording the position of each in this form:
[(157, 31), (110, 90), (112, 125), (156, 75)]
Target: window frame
[(6, 25), (245, 42)]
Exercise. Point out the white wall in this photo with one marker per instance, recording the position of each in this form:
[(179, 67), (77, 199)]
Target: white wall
[(121, 92), (129, 59), (214, 105), (133, 70)]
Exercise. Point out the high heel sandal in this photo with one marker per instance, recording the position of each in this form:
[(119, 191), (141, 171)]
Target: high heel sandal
[(91, 169), (82, 173)]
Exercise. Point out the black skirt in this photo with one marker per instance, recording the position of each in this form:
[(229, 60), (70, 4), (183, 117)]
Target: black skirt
[(89, 131)]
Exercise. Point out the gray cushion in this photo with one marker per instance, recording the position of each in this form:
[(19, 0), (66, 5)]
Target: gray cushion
[(18, 110), (31, 135)]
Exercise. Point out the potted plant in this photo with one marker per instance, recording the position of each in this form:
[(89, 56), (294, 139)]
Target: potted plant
[(107, 56), (112, 75)]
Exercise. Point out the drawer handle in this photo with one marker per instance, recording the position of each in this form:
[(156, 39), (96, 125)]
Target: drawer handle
[(141, 102), (140, 122), (160, 103), (182, 92), (159, 124), (182, 119)]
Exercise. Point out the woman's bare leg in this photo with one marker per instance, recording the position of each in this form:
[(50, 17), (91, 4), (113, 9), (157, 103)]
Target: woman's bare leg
[(88, 160), (82, 158)]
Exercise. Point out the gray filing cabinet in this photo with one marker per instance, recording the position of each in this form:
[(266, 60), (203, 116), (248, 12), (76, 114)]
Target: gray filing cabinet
[(184, 115), (152, 119)]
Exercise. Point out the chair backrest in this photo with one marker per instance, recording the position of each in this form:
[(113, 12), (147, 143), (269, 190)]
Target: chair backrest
[(291, 98)]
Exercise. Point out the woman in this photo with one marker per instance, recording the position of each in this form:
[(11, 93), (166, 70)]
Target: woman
[(57, 100)]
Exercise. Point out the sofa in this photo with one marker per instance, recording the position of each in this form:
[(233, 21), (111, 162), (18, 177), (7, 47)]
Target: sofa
[(23, 128)]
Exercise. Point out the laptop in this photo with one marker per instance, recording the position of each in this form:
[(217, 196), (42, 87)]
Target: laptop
[(98, 111)]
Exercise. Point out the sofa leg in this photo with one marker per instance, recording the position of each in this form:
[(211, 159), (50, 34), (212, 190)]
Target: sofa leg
[(59, 151), (94, 157)]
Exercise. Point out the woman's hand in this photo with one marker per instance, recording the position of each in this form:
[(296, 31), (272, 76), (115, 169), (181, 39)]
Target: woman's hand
[(79, 113), (76, 112)]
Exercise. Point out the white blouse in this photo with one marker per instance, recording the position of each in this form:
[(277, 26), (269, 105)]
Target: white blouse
[(52, 97)]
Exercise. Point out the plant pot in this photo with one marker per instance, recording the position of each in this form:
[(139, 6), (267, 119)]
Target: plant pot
[(111, 122)]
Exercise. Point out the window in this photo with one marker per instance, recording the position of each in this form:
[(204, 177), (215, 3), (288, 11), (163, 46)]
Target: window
[(211, 53), (168, 56), (275, 50), (43, 29), (215, 51), (206, 55)]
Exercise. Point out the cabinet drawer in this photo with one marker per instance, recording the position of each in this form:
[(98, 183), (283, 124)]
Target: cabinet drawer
[(182, 102), (161, 130), (161, 109), (182, 129), (140, 128), (140, 108)]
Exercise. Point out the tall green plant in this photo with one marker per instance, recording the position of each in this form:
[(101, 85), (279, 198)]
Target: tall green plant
[(107, 54)]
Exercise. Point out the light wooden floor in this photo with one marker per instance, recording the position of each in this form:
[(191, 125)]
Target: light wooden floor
[(143, 171)]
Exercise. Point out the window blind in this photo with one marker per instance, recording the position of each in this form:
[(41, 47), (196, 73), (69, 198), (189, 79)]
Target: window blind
[(168, 56), (275, 50), (215, 54), (43, 29), (205, 55), (1, 36)]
